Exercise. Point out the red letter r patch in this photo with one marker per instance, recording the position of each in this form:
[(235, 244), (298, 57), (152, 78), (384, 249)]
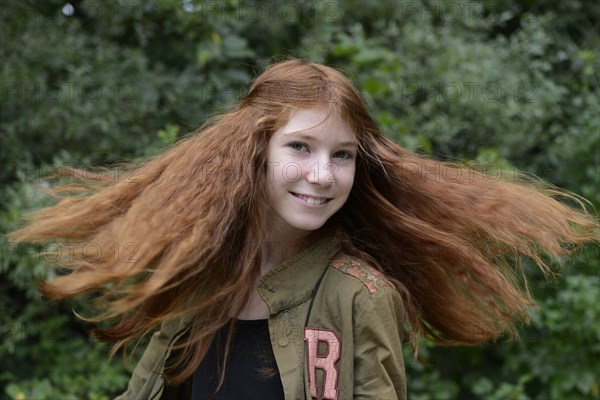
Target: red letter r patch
[(326, 362)]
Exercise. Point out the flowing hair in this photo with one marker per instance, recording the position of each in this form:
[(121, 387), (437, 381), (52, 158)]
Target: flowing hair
[(450, 238)]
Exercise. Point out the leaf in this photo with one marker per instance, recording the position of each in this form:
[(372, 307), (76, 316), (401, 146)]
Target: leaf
[(14, 391), (374, 86), (236, 47), (168, 135)]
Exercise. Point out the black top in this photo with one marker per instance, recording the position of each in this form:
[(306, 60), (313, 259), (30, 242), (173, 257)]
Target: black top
[(249, 355)]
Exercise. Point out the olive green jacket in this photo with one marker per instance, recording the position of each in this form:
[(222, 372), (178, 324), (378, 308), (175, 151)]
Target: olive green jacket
[(350, 347)]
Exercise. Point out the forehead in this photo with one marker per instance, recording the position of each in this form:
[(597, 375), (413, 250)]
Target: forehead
[(316, 122)]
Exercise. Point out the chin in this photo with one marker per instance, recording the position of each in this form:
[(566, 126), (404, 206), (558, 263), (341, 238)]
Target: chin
[(308, 226)]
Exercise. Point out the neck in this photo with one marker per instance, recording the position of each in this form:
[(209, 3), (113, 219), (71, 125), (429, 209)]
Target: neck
[(279, 247)]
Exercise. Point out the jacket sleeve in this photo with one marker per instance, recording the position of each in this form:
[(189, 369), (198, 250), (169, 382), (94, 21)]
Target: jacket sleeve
[(146, 381), (379, 365)]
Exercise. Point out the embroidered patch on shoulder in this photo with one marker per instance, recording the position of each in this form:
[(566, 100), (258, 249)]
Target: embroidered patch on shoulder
[(369, 276)]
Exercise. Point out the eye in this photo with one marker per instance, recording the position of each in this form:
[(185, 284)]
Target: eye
[(344, 155), (298, 146)]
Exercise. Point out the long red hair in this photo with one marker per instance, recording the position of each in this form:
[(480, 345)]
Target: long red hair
[(449, 237)]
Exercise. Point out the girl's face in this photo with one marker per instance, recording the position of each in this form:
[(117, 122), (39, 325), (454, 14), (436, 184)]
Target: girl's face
[(310, 170)]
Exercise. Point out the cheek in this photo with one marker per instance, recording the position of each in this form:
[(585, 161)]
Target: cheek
[(278, 180), (289, 172), (345, 179), (274, 193)]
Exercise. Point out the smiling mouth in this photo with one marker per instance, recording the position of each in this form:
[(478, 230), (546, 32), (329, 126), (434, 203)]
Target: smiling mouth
[(314, 201)]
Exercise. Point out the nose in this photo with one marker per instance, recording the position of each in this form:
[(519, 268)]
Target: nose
[(321, 171)]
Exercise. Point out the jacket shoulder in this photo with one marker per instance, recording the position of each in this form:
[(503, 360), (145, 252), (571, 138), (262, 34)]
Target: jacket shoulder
[(370, 277)]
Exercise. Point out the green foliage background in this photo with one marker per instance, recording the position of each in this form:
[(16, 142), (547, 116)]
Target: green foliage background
[(506, 83)]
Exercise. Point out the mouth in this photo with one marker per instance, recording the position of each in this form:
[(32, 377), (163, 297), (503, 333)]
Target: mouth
[(312, 200)]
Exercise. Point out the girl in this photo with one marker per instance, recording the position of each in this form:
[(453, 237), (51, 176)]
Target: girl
[(288, 249)]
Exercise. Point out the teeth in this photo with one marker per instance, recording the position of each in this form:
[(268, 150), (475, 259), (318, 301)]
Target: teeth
[(312, 201)]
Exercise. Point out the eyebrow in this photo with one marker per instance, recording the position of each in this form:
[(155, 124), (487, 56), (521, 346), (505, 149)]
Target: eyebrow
[(314, 138)]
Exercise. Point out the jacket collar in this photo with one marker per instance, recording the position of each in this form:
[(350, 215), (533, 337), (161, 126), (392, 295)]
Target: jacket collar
[(293, 281)]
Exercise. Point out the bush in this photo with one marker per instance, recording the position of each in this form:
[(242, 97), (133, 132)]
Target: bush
[(506, 83)]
